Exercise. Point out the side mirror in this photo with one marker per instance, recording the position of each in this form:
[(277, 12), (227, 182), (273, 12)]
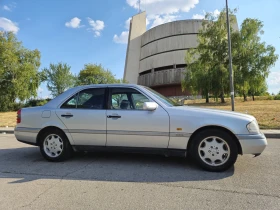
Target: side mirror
[(150, 106)]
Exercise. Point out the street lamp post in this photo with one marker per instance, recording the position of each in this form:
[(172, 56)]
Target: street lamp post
[(230, 60)]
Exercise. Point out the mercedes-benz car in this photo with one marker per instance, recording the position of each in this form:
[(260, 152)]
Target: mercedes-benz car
[(133, 118)]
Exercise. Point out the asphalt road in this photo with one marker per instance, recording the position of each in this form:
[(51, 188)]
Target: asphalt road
[(124, 181)]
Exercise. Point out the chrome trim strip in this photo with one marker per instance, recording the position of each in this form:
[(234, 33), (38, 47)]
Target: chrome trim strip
[(180, 134), (122, 132), (143, 133), (29, 130), (87, 131), (250, 136)]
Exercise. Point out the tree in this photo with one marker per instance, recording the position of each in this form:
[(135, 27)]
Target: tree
[(252, 58), (59, 78), (19, 75), (95, 74), (207, 64)]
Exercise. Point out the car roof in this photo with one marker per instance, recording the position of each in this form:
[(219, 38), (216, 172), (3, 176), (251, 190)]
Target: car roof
[(59, 99), (107, 85)]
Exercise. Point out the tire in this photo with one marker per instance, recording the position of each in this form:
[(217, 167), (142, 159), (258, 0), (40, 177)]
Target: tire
[(214, 150), (54, 146)]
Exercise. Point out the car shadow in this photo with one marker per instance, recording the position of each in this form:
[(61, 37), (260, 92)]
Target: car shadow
[(26, 164)]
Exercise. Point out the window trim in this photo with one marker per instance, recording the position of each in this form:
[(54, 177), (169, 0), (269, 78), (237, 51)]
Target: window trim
[(78, 94), (129, 96)]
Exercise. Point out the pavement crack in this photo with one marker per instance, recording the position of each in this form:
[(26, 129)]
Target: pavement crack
[(72, 172), (218, 190), (38, 196)]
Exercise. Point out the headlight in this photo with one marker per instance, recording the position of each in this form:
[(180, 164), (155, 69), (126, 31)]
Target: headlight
[(253, 127)]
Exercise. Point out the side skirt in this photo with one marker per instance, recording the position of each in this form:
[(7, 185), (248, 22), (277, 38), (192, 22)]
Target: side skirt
[(139, 150)]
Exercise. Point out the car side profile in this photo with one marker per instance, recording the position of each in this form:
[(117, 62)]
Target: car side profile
[(133, 118)]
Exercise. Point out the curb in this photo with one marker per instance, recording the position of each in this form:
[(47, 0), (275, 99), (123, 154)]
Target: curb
[(7, 131), (267, 135)]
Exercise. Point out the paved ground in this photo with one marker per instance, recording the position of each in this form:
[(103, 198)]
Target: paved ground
[(115, 181)]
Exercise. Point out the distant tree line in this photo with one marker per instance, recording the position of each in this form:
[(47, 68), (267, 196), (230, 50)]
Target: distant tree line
[(20, 76), (207, 65)]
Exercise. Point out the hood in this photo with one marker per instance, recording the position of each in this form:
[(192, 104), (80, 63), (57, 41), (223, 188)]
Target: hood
[(210, 111)]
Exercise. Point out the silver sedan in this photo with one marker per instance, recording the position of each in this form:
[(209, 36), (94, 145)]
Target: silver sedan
[(132, 118)]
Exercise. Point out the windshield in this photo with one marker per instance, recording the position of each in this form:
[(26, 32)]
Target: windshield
[(163, 99)]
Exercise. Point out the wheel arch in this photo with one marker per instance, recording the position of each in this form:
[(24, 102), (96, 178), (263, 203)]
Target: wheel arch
[(48, 128), (192, 137)]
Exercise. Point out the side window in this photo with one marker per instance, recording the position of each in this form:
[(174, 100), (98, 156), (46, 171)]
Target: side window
[(70, 103), (127, 98), (91, 99), (139, 100), (118, 99)]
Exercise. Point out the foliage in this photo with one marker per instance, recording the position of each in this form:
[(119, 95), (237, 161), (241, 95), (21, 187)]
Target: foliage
[(19, 75), (207, 65), (95, 74), (59, 78), (252, 58), (36, 102), (277, 97)]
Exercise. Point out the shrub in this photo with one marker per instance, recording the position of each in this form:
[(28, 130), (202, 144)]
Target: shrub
[(36, 102), (277, 97)]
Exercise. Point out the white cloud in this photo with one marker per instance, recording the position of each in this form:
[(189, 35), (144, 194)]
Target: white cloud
[(160, 7), (10, 7), (161, 19), (198, 16), (216, 13), (97, 33), (158, 12), (274, 78), (73, 23), (8, 25), (273, 82), (127, 23), (163, 11), (5, 7), (121, 39), (96, 26)]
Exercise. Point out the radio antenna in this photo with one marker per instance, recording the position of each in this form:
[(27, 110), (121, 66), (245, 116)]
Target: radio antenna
[(139, 6)]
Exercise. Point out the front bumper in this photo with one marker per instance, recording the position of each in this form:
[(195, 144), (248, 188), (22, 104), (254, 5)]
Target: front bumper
[(252, 144)]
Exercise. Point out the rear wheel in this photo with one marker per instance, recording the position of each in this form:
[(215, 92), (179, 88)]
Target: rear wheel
[(214, 150), (54, 146)]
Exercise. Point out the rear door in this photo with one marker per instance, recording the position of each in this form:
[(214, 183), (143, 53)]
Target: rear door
[(84, 115), (128, 125)]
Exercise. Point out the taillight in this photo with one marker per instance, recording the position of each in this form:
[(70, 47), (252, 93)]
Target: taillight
[(19, 116)]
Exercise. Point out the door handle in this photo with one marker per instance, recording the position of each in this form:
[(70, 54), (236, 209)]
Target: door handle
[(113, 116), (67, 115)]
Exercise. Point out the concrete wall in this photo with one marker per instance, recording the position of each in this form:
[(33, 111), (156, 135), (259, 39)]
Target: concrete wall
[(137, 28), (166, 44), (164, 59), (170, 29)]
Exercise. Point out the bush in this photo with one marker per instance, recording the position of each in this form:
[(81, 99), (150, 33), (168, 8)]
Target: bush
[(277, 97), (36, 102), (17, 106)]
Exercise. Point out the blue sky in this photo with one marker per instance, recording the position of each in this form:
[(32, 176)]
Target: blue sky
[(95, 31)]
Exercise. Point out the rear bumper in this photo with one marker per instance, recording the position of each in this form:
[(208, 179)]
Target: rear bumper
[(252, 144), (26, 135)]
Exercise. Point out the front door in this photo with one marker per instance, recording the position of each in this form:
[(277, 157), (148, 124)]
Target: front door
[(84, 115), (128, 125)]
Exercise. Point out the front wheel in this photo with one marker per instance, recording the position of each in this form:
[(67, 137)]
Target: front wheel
[(54, 146), (214, 150)]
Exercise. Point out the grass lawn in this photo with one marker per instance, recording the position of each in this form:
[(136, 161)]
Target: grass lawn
[(267, 112), (8, 119)]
